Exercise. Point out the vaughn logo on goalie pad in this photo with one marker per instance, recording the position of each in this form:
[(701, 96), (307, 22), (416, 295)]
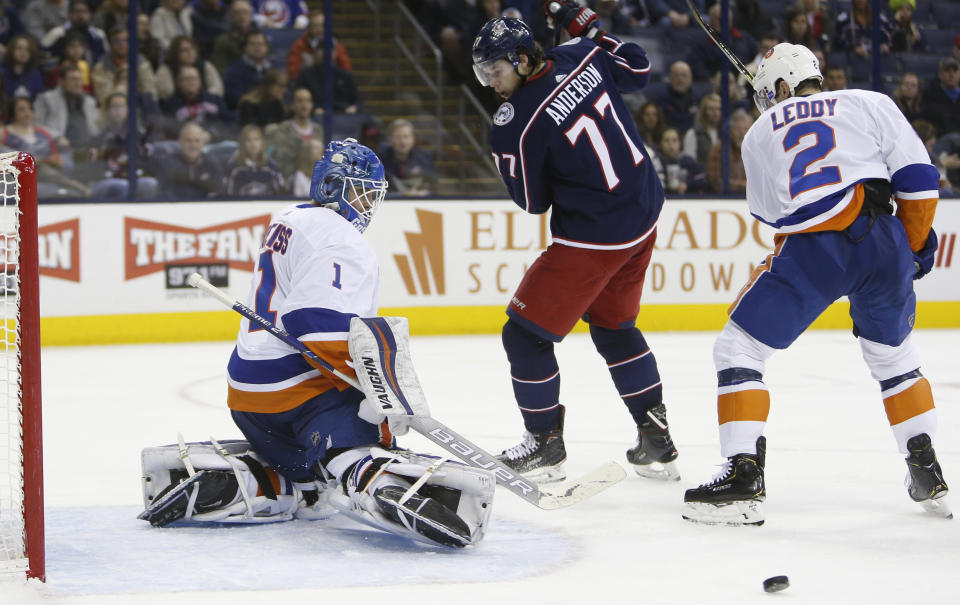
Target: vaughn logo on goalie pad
[(376, 382)]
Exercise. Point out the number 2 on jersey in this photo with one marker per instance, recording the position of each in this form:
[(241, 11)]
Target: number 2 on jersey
[(826, 142)]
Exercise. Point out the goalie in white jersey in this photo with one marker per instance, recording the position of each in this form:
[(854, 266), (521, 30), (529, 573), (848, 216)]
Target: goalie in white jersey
[(821, 167), (312, 441)]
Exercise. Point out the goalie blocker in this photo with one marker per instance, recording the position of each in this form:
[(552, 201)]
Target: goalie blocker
[(424, 498)]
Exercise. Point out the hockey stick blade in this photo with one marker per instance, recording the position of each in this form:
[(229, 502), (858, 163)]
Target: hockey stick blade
[(436, 431), (733, 58), (587, 486)]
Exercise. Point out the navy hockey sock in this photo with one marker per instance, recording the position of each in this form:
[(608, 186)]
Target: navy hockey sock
[(632, 367), (536, 377)]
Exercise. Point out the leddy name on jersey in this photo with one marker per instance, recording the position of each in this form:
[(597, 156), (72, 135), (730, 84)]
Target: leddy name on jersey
[(802, 109)]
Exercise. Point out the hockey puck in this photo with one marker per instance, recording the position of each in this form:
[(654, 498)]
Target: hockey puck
[(776, 584)]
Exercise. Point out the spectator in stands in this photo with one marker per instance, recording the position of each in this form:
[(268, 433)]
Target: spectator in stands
[(302, 50), (678, 26), (40, 16), (706, 58), (20, 68), (408, 168), (78, 19), (10, 25), (286, 138), (956, 48), (210, 20), (681, 173), (346, 99), (855, 30), (650, 122), (460, 22), (821, 22), (835, 77), (750, 17), (740, 122), (942, 97), (264, 103), (109, 167), (182, 52), (309, 153), (611, 18), (909, 98), (764, 43), (74, 53), (172, 18), (147, 46), (250, 173), (928, 134), (677, 100), (110, 14), (705, 132), (371, 135), (736, 92), (68, 113), (190, 102), (906, 37), (190, 172), (22, 134), (244, 73), (281, 14), (229, 46), (110, 73), (797, 30)]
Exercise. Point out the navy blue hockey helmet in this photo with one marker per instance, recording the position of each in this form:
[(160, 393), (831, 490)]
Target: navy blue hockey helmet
[(349, 180), (498, 39)]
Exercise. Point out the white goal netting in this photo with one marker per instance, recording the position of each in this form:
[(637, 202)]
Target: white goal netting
[(12, 528)]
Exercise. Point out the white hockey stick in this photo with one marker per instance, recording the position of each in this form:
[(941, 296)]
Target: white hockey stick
[(565, 494)]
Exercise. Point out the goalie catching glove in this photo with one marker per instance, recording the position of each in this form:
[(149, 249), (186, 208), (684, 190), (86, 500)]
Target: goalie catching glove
[(579, 21)]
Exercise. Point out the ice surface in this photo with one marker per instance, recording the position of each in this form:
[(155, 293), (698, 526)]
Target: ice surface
[(839, 522)]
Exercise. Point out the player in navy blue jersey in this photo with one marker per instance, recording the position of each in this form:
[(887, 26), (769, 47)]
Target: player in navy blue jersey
[(564, 141)]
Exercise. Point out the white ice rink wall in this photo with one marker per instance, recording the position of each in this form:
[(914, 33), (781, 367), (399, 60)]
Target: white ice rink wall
[(116, 273)]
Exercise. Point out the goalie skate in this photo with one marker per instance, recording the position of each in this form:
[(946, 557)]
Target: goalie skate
[(424, 515), (653, 456), (924, 481)]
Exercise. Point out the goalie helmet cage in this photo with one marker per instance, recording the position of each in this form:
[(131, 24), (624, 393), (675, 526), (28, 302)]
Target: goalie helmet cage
[(21, 458)]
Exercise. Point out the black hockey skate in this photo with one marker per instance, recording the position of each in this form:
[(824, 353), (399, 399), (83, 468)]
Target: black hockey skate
[(734, 495), (654, 453), (540, 456), (924, 481), (424, 515)]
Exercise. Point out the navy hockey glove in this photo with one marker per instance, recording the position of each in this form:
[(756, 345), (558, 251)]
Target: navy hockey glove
[(923, 258), (576, 19)]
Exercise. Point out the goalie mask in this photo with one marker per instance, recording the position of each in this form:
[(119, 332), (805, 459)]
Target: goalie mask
[(349, 180), (497, 40), (792, 63)]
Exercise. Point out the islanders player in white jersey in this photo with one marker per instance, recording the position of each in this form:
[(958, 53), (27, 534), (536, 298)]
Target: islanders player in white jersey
[(821, 168), (315, 272)]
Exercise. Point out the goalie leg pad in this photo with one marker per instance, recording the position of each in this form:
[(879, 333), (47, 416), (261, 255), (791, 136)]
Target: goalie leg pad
[(425, 498), (205, 491)]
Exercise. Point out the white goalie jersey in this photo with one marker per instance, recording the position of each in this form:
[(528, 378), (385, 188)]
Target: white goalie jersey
[(314, 272), (803, 157)]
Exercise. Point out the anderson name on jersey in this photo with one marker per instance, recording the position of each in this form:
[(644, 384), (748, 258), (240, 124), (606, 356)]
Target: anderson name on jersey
[(804, 157), (316, 273), (563, 142)]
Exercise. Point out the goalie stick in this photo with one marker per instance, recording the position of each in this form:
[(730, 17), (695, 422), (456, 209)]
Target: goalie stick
[(565, 494), (733, 58)]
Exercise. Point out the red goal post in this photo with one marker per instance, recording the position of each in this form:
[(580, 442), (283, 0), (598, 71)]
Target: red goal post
[(21, 452)]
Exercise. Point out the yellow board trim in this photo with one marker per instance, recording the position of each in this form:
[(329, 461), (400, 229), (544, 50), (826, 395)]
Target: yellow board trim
[(223, 325)]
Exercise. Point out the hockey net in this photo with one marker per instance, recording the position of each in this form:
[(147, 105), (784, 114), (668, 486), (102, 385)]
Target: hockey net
[(21, 472)]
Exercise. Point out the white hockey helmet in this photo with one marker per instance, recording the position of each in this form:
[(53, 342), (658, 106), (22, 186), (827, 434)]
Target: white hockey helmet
[(792, 63)]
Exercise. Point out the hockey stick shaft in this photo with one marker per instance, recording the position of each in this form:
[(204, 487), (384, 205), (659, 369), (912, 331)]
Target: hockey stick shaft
[(436, 431), (733, 58)]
